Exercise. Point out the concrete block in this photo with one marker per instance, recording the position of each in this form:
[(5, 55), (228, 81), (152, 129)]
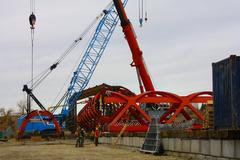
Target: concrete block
[(125, 141), (237, 149), (228, 148), (103, 139), (178, 145), (141, 141), (195, 146), (100, 140), (114, 140), (215, 147), (121, 141), (110, 140), (186, 145), (131, 141), (136, 141), (205, 147), (171, 144), (165, 143)]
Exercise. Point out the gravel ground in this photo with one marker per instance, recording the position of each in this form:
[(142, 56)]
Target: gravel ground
[(65, 150)]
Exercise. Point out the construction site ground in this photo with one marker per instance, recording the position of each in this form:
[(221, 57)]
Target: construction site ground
[(65, 150)]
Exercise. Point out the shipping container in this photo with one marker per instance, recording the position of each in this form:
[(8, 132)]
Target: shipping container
[(226, 91)]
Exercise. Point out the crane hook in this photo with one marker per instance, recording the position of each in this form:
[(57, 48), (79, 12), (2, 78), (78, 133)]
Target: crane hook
[(32, 20)]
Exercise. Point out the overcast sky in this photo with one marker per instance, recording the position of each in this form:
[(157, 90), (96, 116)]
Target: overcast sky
[(180, 41)]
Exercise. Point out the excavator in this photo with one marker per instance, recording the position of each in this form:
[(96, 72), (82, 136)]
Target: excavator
[(112, 107)]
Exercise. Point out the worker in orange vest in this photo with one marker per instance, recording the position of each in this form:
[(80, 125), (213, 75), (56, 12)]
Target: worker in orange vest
[(96, 135)]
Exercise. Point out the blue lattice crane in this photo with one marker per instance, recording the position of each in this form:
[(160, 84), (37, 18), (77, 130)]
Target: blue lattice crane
[(88, 64)]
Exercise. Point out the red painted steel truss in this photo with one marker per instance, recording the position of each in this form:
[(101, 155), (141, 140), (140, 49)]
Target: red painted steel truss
[(114, 109)]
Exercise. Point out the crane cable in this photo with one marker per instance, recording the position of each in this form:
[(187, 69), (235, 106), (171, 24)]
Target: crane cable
[(146, 11), (60, 91), (32, 21), (140, 12), (142, 4), (43, 75)]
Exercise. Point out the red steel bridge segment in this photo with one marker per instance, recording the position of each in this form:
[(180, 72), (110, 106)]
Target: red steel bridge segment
[(124, 109)]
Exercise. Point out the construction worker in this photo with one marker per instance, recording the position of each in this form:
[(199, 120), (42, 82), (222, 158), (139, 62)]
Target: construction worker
[(80, 133), (96, 135), (82, 136), (77, 134)]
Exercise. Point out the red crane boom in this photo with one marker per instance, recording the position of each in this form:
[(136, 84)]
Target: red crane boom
[(137, 55)]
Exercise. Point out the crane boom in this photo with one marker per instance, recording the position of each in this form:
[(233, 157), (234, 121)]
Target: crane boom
[(90, 59), (138, 60)]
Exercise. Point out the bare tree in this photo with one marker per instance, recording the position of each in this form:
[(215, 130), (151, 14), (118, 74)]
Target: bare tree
[(6, 119), (22, 106)]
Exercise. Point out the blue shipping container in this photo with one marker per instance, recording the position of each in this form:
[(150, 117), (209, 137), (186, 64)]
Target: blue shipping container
[(226, 90)]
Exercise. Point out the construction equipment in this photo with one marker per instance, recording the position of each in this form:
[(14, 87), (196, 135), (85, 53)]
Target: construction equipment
[(131, 107), (114, 107), (82, 75)]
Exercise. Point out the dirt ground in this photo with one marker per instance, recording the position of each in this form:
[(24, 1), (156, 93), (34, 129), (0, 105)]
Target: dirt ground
[(65, 150)]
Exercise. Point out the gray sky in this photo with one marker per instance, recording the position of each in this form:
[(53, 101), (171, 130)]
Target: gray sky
[(179, 42)]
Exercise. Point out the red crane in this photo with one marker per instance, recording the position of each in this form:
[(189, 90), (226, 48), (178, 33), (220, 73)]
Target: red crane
[(137, 55), (115, 108)]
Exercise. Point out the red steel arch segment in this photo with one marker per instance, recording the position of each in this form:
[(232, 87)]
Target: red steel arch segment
[(158, 97), (38, 113), (200, 96), (129, 106), (176, 109)]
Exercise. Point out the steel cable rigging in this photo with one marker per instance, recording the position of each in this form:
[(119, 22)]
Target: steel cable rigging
[(43, 75), (36, 81), (142, 7)]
